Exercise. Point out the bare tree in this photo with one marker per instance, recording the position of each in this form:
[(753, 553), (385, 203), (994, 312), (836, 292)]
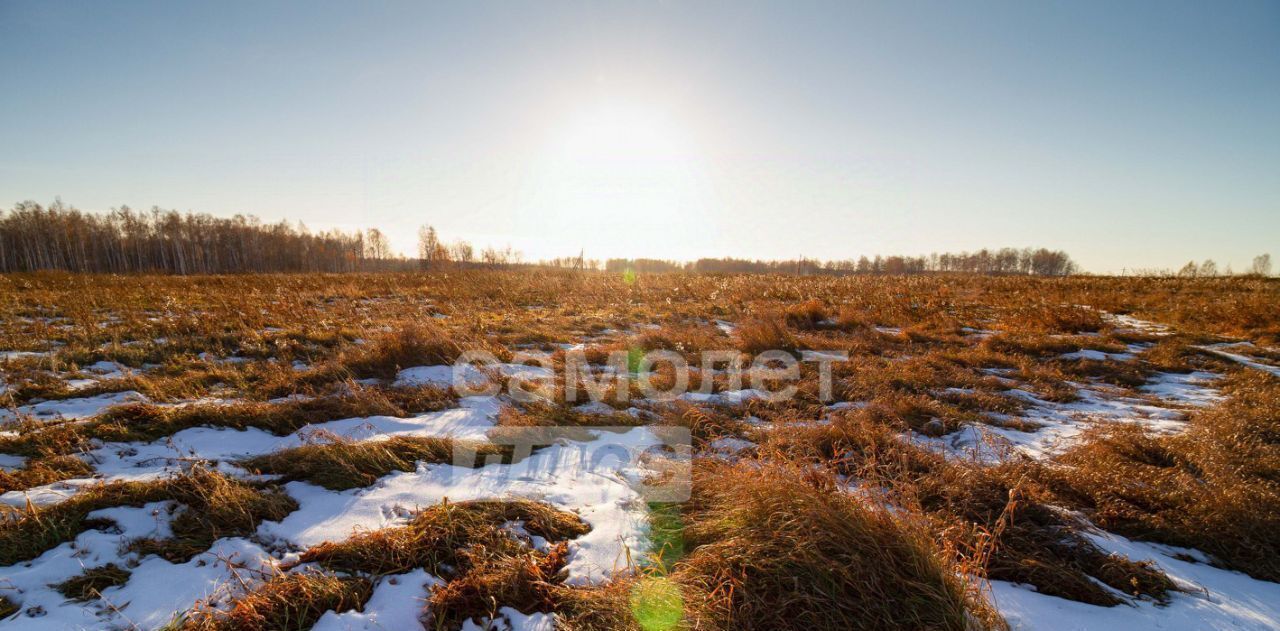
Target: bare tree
[(1261, 265), (376, 246), (121, 241), (430, 250)]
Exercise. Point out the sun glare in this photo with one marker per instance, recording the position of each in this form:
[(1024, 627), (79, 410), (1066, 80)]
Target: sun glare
[(628, 134), (617, 179)]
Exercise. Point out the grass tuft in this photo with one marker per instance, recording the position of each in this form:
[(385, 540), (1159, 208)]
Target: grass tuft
[(341, 464), (286, 602), (1215, 487), (90, 583)]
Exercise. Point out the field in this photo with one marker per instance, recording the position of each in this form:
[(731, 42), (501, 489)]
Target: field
[(293, 452)]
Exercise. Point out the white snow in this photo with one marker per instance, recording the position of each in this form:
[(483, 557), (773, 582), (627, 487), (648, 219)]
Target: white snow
[(14, 355), (586, 478), (141, 461), (1060, 424), (398, 602), (1214, 598), (729, 397), (1094, 355), (9, 462), (155, 591), (1192, 389), (1218, 349), (599, 479), (71, 409), (509, 619), (443, 375)]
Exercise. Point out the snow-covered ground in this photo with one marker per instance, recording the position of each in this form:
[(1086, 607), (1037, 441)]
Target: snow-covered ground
[(605, 492)]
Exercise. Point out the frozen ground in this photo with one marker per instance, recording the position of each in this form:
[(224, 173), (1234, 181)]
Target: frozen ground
[(604, 492)]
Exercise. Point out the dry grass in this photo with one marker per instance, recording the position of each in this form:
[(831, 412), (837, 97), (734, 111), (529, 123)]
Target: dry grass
[(147, 422), (522, 581), (759, 553), (683, 338), (415, 344), (214, 506), (26, 534), (286, 602), (997, 516), (486, 566), (340, 464), (44, 470), (88, 585), (765, 333), (1044, 317), (1215, 487), (705, 424), (436, 537), (788, 547), (807, 315)]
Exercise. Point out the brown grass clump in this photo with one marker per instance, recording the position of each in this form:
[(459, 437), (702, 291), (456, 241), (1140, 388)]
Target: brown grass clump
[(439, 535), (1043, 317), (1215, 487), (38, 471), (285, 602), (415, 344), (1109, 371), (90, 583), (686, 339), (147, 422), (781, 547), (995, 515), (522, 581), (7, 607), (215, 506), (1176, 354), (26, 534), (806, 316), (340, 464), (765, 334), (487, 567), (705, 425), (1031, 542)]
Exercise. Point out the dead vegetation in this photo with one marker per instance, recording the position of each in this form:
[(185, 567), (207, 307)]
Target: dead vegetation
[(339, 464), (293, 600), (486, 564), (999, 516), (146, 422), (1215, 487), (787, 547), (89, 584), (833, 520), (211, 506), (416, 344)]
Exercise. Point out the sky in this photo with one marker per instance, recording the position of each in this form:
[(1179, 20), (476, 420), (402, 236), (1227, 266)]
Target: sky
[(1133, 135)]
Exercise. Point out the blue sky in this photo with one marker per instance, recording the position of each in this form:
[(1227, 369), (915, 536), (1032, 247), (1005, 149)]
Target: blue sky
[(1130, 134)]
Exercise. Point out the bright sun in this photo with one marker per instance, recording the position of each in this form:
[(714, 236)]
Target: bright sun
[(623, 135), (621, 179)]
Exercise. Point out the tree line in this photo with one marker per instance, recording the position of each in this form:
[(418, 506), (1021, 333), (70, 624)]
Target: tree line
[(1038, 262), (122, 241), (1261, 266)]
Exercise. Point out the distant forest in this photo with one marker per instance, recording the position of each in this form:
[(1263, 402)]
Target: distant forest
[(59, 237), (1040, 262)]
